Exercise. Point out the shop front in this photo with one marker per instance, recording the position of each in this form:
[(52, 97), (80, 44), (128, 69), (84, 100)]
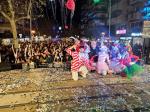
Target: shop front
[(146, 42), (126, 39)]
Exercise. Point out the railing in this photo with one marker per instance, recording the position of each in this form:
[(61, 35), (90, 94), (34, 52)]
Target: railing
[(131, 2)]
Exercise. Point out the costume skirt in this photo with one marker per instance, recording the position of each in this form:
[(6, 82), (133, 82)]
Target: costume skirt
[(133, 70), (102, 66)]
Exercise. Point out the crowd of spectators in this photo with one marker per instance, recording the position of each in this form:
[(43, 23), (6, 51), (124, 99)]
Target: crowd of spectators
[(41, 53)]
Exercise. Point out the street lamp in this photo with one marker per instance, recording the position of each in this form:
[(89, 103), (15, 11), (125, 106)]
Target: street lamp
[(60, 28), (109, 17), (32, 32)]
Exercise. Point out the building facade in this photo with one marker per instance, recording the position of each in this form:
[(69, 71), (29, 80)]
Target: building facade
[(126, 16), (118, 16), (94, 18), (135, 17)]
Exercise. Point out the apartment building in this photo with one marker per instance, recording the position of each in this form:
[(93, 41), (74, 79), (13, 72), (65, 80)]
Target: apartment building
[(118, 16), (126, 16), (135, 18), (94, 18)]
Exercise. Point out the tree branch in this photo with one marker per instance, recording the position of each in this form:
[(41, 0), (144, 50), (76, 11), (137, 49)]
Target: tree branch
[(21, 18), (5, 15), (42, 2), (11, 8), (29, 8)]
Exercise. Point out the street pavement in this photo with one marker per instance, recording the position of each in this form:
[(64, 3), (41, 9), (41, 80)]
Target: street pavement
[(53, 90)]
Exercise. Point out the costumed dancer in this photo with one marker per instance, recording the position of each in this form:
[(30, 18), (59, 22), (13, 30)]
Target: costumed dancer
[(115, 65), (77, 65), (93, 54), (84, 56), (131, 68), (103, 62), (84, 52)]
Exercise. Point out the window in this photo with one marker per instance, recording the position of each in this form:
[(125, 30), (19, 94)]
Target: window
[(113, 2)]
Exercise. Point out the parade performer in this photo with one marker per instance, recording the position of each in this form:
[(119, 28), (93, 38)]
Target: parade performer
[(103, 62), (115, 65), (77, 65), (84, 52), (131, 69), (93, 54), (114, 50), (84, 56)]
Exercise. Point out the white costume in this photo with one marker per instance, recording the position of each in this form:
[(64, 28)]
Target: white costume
[(102, 66)]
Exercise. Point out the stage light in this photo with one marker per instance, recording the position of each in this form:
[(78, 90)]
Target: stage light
[(59, 28), (66, 27), (103, 33), (97, 1)]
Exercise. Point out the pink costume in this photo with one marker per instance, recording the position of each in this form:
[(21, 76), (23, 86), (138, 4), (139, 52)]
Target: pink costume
[(102, 67)]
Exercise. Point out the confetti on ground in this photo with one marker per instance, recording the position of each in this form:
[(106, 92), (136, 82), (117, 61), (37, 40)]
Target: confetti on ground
[(53, 90)]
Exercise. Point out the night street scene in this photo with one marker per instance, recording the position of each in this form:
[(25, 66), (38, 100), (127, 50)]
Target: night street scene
[(74, 55)]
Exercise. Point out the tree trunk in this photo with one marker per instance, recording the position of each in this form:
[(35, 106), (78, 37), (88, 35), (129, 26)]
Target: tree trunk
[(0, 58), (14, 32)]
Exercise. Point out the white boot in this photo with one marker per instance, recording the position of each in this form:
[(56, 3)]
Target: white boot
[(83, 71), (104, 73), (74, 75)]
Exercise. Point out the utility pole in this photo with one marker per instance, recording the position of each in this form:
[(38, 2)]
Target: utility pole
[(31, 36), (31, 20), (109, 22)]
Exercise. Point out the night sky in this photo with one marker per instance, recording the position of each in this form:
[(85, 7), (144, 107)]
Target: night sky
[(77, 14), (50, 25)]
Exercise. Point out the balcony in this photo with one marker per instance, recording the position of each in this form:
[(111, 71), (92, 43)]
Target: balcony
[(131, 9), (122, 5), (135, 16), (131, 2), (118, 20)]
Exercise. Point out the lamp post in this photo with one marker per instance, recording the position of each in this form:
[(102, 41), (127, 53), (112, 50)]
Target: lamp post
[(31, 27), (31, 20), (109, 22)]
